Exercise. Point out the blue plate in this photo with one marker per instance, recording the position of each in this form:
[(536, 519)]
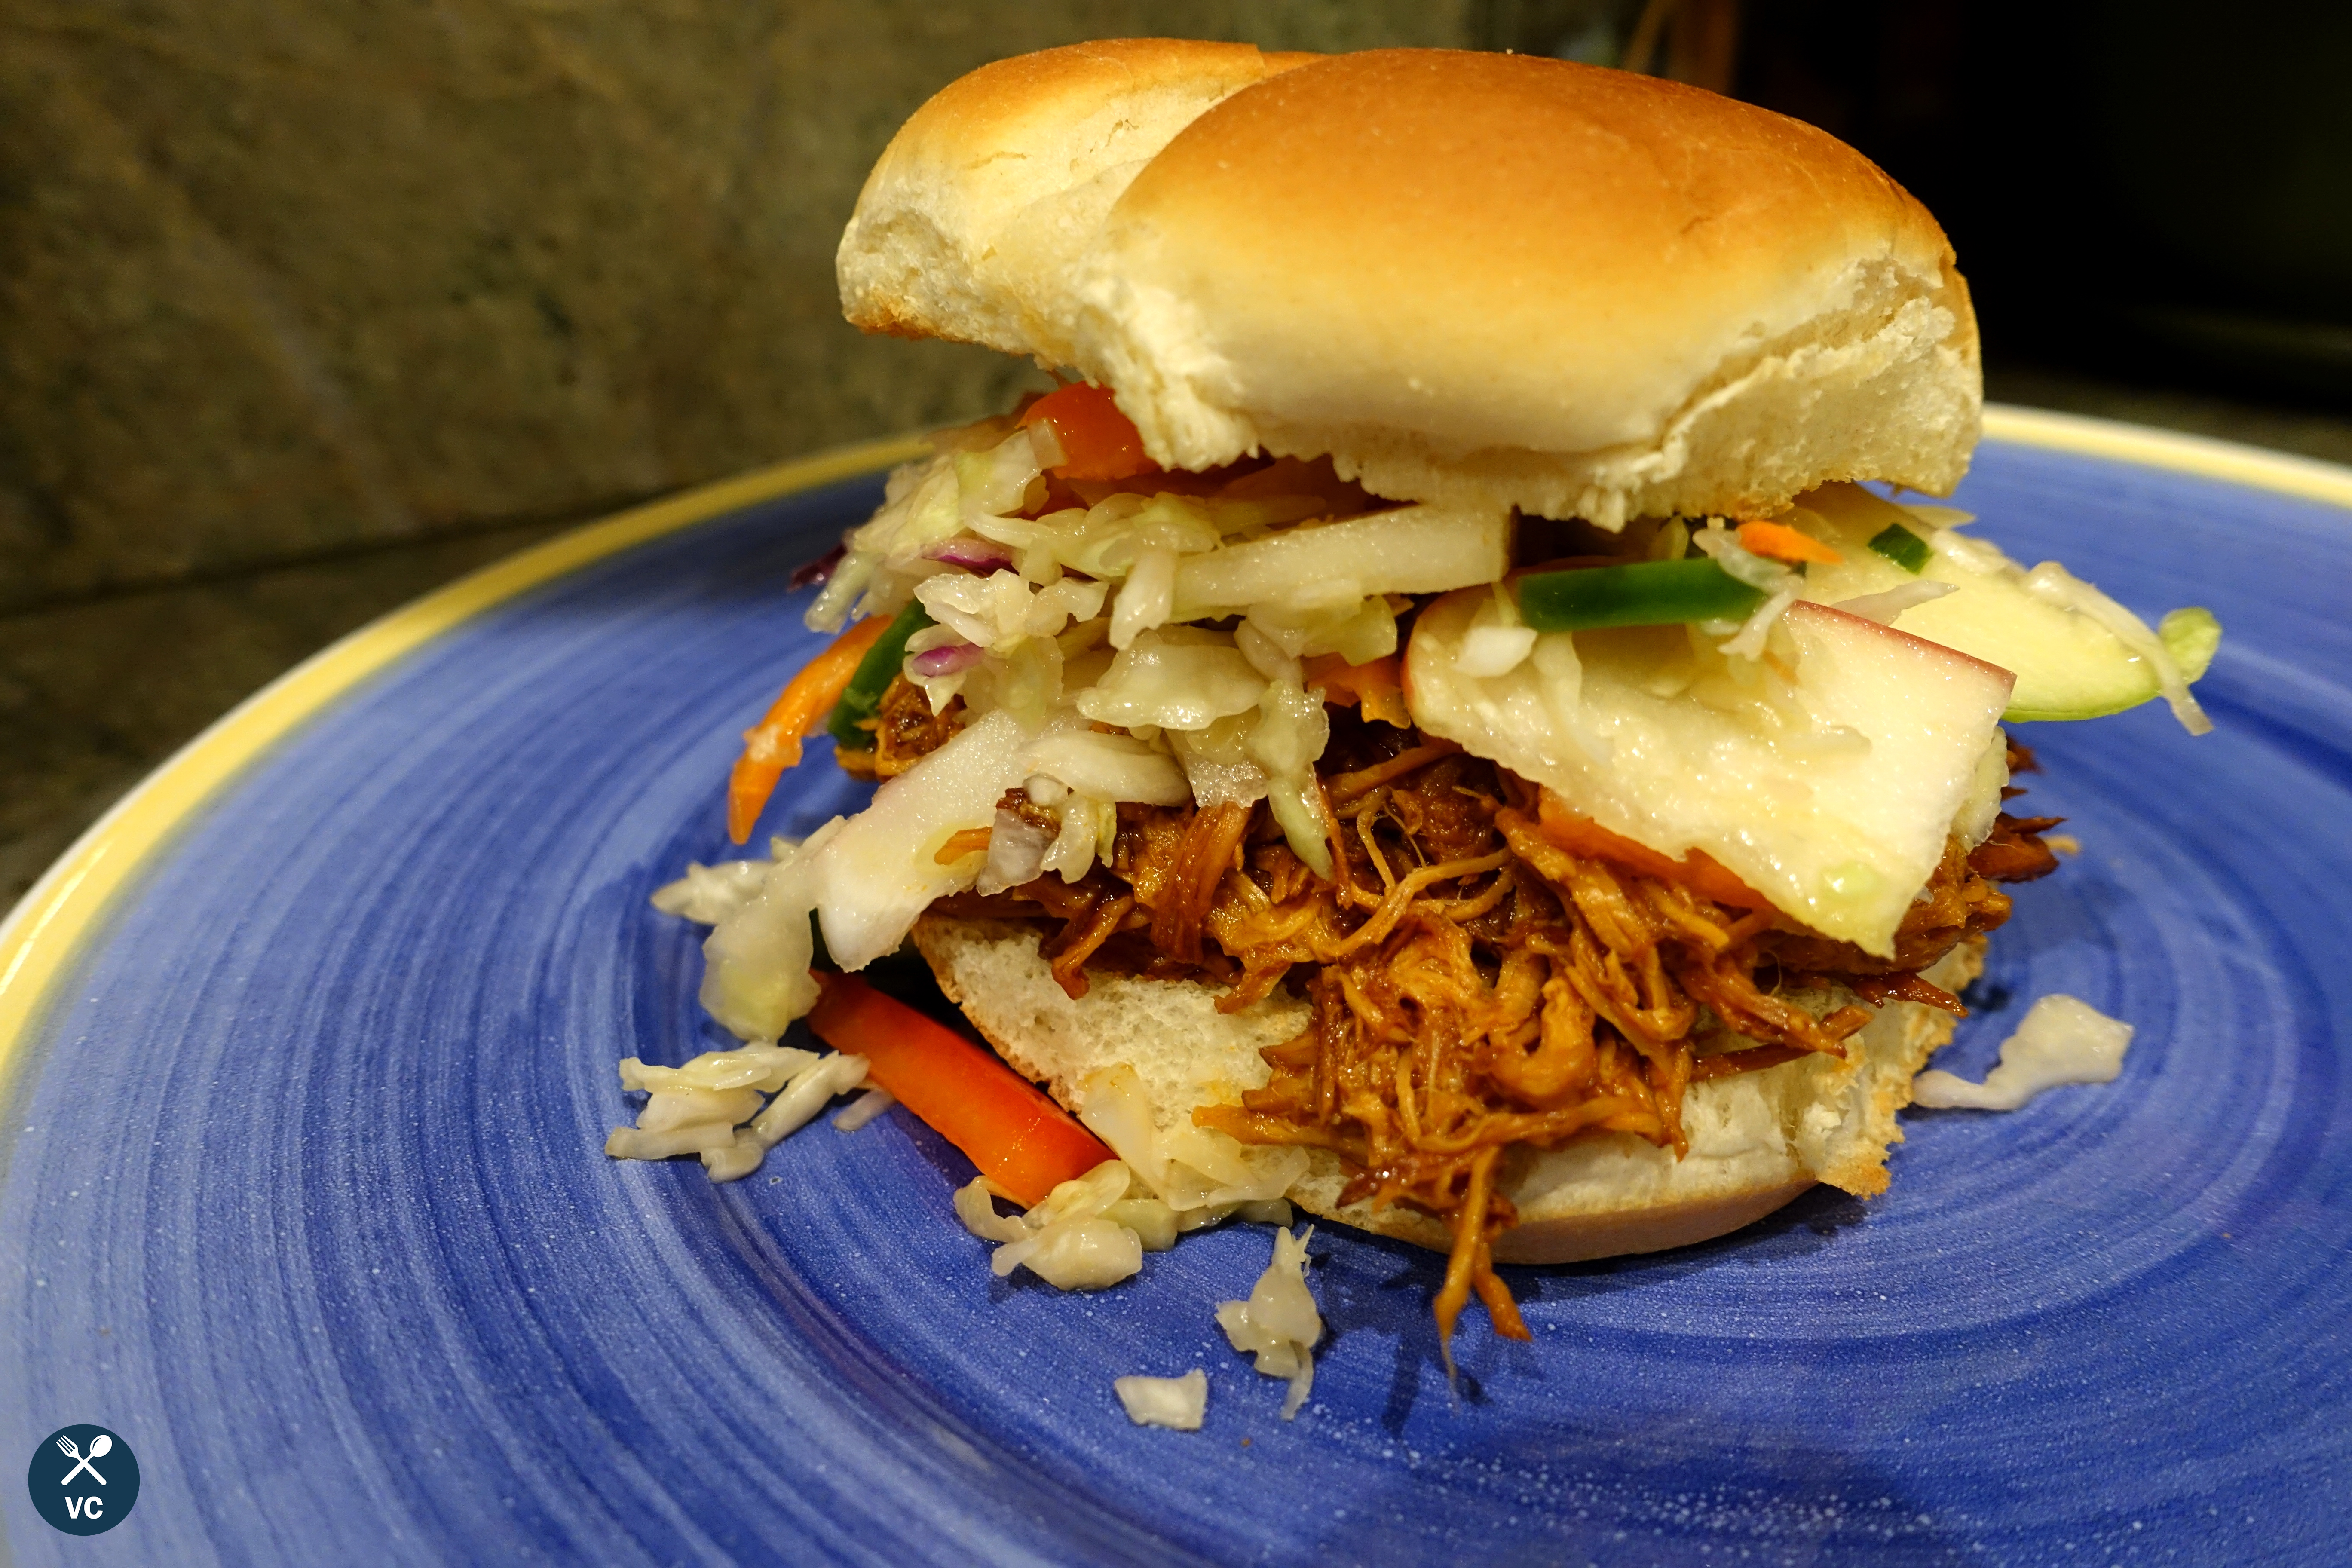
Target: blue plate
[(309, 1053)]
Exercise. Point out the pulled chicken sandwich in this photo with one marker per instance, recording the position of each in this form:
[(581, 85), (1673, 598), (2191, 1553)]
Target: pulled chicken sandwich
[(1437, 717)]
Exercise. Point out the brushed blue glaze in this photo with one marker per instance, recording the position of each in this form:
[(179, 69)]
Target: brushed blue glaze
[(304, 1194)]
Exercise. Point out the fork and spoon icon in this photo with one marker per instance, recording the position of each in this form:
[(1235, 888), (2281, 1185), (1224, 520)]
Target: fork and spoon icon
[(99, 1447)]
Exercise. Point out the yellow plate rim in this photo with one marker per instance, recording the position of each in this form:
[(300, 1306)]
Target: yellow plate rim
[(42, 934)]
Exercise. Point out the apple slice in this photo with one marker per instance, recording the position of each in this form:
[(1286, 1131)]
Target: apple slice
[(2068, 666), (1831, 792)]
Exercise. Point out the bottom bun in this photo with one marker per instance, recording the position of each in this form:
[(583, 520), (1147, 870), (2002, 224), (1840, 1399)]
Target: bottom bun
[(1757, 1139)]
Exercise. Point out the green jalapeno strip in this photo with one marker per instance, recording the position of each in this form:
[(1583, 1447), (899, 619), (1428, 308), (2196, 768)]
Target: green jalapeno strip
[(1902, 546), (862, 697), (1644, 593)]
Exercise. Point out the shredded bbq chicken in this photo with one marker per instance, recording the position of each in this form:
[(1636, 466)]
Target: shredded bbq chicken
[(904, 732), (1479, 990)]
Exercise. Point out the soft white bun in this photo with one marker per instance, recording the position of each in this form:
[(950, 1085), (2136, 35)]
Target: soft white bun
[(1488, 279), (970, 223), (1757, 1139)]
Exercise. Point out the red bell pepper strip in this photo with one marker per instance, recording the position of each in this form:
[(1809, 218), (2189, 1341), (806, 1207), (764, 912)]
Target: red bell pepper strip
[(1097, 441), (1005, 1125)]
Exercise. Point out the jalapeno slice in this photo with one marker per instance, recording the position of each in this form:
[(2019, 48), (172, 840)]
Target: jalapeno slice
[(862, 697), (1642, 593)]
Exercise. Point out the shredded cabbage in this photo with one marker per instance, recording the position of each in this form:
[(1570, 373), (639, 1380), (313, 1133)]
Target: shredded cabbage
[(1292, 730), (1498, 642), (1174, 679), (1090, 1254), (1086, 1236), (1748, 642), (1083, 819), (1104, 540), (1278, 1324), (1561, 689), (863, 1110), (1217, 763), (1179, 1404), (981, 471), (1886, 608), (1023, 679), (1109, 767), (1489, 652), (1147, 598), (1047, 445), (921, 507), (684, 1120), (1938, 517), (707, 894), (1722, 546), (1780, 588), (1265, 655), (793, 1109), (1195, 1170), (998, 481), (1093, 1232), (1413, 550), (711, 1106), (1002, 608), (756, 1066), (1358, 633), (976, 1208), (755, 978), (2061, 1040), (879, 870)]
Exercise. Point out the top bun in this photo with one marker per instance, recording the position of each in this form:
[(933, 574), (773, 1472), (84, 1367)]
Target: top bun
[(970, 223), (1491, 279)]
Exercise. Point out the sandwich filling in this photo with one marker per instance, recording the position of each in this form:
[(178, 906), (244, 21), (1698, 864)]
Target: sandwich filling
[(1486, 976), (1547, 823)]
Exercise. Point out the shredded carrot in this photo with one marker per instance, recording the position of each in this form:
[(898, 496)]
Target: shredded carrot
[(1376, 687), (775, 743), (1020, 1139), (1781, 542), (1697, 870), (1097, 441), (969, 841)]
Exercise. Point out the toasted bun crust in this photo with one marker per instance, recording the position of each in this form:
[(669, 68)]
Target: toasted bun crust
[(1488, 278), (1757, 1139)]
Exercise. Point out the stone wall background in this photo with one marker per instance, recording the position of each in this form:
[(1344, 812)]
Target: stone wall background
[(281, 281)]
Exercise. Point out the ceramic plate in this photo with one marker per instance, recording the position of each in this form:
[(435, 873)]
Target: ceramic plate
[(309, 1056)]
